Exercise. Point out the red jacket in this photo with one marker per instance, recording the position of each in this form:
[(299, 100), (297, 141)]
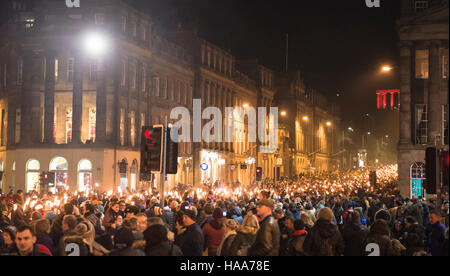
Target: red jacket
[(213, 237)]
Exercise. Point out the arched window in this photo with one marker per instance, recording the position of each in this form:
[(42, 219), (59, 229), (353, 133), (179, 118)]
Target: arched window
[(133, 178), (32, 175), (84, 175), (59, 166), (417, 175)]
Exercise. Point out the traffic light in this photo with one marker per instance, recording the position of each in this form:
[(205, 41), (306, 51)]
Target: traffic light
[(172, 152), (373, 178), (431, 170), (42, 178), (151, 149), (259, 174)]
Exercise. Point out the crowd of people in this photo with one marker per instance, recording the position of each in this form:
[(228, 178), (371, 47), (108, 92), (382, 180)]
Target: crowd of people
[(321, 214)]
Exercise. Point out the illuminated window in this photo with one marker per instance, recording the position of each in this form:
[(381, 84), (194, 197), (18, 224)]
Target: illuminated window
[(32, 175), (56, 70), (84, 175), (92, 125), (70, 69), (144, 79), (59, 166), (122, 127), (29, 23), (68, 125), (156, 86), (422, 64), (132, 128), (133, 76)]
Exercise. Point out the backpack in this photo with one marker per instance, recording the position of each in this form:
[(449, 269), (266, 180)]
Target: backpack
[(325, 248)]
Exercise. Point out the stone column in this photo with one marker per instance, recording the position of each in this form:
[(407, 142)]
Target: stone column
[(100, 109), (434, 93), (49, 105), (405, 90), (77, 97)]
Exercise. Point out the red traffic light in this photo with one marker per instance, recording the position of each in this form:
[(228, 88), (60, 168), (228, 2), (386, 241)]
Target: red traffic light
[(258, 170)]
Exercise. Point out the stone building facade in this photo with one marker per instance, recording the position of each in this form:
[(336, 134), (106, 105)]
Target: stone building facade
[(424, 32), (66, 110)]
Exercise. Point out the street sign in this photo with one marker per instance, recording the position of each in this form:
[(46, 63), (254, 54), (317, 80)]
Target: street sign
[(204, 166)]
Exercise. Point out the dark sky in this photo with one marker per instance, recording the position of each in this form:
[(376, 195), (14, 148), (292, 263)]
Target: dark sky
[(338, 45)]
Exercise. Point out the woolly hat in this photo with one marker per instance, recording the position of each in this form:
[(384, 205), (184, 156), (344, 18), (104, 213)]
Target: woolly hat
[(218, 213), (325, 214), (155, 234), (123, 237), (158, 211)]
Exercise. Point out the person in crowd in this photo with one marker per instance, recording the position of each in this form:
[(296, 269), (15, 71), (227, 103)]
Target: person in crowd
[(8, 234), (324, 238), (307, 220), (295, 247), (380, 235), (42, 230), (435, 234), (193, 240), (56, 231), (354, 235), (245, 237), (214, 231), (231, 226), (25, 244), (123, 244), (157, 243), (209, 209), (111, 218), (267, 241)]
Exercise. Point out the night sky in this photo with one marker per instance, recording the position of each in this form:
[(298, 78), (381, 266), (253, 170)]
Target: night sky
[(338, 46)]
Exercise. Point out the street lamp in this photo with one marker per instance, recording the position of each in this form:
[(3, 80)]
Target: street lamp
[(245, 105), (95, 44), (386, 68), (328, 123), (305, 118), (283, 113)]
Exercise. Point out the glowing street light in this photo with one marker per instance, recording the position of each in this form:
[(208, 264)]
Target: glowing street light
[(350, 129), (328, 123), (305, 118), (95, 44), (245, 105), (283, 113), (386, 68)]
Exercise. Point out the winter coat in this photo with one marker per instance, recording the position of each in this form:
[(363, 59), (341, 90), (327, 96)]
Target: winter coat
[(324, 240), (436, 238), (168, 218), (73, 237), (127, 252), (213, 236), (295, 245), (380, 235), (163, 249), (109, 219), (46, 241), (225, 245), (241, 241), (18, 217), (354, 235), (192, 241), (267, 241), (96, 222), (56, 231)]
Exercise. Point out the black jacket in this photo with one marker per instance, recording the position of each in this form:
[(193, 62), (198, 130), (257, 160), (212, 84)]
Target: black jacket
[(127, 252), (354, 235), (192, 241), (241, 241), (267, 241), (324, 239), (163, 249)]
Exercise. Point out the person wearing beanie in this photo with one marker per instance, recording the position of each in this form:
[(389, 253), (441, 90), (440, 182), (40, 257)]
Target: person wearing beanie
[(123, 244), (267, 241), (157, 243), (192, 242), (214, 231), (324, 238)]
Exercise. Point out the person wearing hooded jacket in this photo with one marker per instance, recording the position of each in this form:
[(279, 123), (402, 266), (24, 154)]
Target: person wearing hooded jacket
[(354, 235), (380, 234), (214, 231), (324, 238)]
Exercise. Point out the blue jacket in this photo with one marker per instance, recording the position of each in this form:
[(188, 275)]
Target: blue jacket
[(436, 237)]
